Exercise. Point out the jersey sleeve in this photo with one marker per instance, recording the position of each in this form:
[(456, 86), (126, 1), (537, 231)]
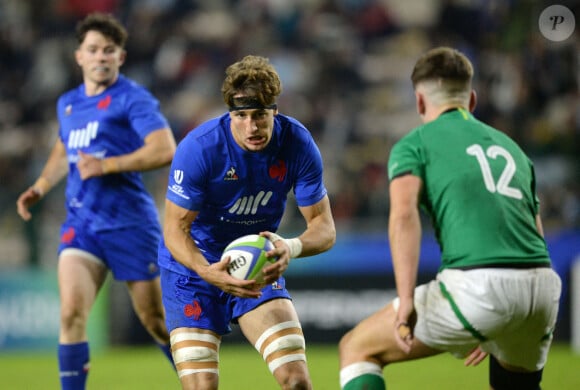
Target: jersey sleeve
[(309, 186), (144, 113), (186, 181), (406, 157)]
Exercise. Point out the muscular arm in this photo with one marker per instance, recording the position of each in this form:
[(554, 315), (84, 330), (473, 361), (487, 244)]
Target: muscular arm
[(405, 241), (320, 233), (56, 166), (157, 151), (319, 236), (176, 234)]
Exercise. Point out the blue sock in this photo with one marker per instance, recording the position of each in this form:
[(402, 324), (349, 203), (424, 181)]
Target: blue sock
[(73, 362), (166, 349)]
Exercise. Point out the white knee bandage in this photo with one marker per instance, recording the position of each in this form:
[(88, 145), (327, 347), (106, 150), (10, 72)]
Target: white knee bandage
[(195, 352), (282, 343), (355, 370)]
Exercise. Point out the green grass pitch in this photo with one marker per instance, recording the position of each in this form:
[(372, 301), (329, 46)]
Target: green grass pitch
[(242, 368)]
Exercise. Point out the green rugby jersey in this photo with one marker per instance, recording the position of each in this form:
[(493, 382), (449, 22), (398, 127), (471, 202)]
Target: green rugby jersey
[(478, 188)]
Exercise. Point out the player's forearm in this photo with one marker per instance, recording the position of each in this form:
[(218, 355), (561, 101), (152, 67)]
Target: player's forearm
[(157, 152), (183, 248), (405, 240), (177, 236), (320, 233), (54, 170), (318, 237)]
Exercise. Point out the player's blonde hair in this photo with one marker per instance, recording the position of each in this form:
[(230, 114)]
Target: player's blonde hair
[(445, 74), (253, 77)]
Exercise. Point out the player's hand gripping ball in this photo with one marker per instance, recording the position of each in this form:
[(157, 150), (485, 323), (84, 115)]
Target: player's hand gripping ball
[(248, 257)]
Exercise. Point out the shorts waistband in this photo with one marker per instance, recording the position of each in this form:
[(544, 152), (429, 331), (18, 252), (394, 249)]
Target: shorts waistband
[(518, 265)]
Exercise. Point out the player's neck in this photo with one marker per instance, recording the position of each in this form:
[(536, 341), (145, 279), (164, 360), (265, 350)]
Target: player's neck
[(433, 112), (93, 88)]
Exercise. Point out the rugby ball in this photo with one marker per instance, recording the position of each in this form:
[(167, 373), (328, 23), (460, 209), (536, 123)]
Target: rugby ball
[(248, 257)]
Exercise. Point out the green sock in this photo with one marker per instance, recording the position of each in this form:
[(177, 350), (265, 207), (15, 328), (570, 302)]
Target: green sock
[(366, 382)]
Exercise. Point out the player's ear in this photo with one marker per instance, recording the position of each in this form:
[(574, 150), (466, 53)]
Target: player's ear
[(420, 102), (472, 100), (78, 57), (122, 57)]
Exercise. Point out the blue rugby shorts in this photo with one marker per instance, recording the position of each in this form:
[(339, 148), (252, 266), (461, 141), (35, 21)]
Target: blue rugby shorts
[(130, 253), (191, 302)]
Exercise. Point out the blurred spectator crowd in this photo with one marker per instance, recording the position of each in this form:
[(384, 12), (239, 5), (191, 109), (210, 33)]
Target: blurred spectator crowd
[(345, 67)]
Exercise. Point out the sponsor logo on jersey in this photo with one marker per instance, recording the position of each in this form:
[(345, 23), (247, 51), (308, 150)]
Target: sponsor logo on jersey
[(278, 170), (81, 138), (74, 202), (104, 103), (248, 205), (231, 174)]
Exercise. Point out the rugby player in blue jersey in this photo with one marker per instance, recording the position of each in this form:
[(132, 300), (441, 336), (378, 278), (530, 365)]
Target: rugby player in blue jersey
[(230, 177), (110, 129)]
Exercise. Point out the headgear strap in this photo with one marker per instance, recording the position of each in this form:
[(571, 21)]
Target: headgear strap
[(249, 103), (253, 106)]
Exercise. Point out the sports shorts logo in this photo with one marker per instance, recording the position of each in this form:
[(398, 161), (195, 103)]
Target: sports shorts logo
[(68, 236), (193, 310)]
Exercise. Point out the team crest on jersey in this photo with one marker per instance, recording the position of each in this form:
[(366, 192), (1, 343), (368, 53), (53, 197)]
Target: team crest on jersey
[(278, 170), (68, 110), (103, 104), (231, 174)]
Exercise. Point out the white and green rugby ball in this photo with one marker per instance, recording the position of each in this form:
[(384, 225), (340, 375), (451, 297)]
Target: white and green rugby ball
[(248, 257)]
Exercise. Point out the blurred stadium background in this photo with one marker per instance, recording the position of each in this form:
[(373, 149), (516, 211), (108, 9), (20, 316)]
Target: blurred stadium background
[(345, 67)]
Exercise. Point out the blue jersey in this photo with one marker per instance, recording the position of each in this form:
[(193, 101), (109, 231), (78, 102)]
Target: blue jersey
[(112, 123), (237, 192)]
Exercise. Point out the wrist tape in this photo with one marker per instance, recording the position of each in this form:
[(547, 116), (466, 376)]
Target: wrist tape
[(294, 244)]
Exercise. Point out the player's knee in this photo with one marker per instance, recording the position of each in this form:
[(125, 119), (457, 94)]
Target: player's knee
[(502, 379), (296, 382), (281, 344), (195, 353), (154, 323), (72, 318), (344, 344)]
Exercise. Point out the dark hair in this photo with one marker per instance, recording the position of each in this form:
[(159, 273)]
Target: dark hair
[(105, 24), (254, 77), (443, 63)]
